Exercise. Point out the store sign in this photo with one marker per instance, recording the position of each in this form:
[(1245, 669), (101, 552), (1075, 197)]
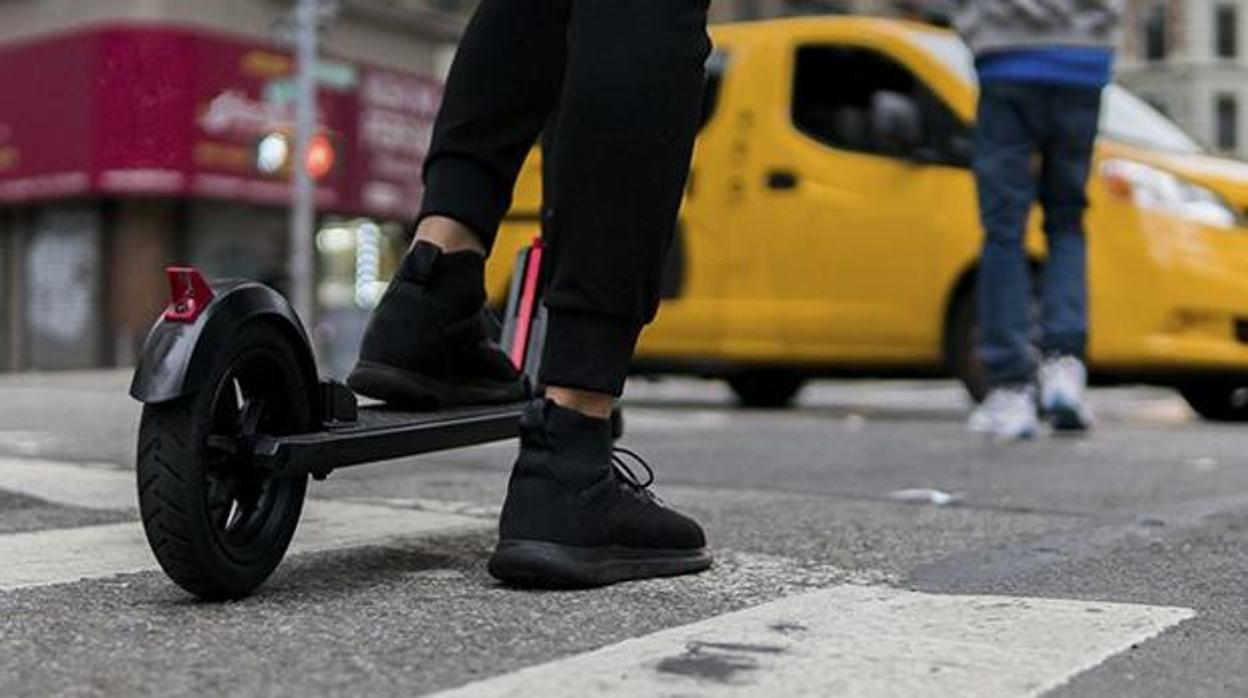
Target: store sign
[(395, 127), (9, 154), (233, 113), (154, 110)]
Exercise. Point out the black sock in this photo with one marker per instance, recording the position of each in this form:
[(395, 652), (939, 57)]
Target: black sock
[(579, 445)]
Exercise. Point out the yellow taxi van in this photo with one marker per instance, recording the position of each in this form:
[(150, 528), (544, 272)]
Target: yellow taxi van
[(830, 226)]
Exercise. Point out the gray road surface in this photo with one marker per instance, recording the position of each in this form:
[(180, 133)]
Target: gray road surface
[(1151, 511)]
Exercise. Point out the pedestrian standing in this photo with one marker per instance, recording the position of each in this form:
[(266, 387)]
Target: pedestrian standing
[(617, 86), (1042, 68)]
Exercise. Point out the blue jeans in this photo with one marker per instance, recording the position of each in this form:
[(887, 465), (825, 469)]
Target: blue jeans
[(1032, 143)]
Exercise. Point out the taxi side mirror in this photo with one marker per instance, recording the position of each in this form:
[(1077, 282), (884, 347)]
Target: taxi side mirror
[(896, 124)]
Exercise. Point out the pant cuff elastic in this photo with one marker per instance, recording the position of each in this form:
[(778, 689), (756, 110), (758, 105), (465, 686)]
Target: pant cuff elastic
[(588, 351), (461, 190)]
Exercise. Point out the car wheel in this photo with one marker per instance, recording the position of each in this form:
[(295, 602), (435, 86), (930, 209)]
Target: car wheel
[(767, 389), (960, 354), (1222, 399)]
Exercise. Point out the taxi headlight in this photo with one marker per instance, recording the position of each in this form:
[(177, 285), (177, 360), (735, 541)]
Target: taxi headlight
[(1155, 189)]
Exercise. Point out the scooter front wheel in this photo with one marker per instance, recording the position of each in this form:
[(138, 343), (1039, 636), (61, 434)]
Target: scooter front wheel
[(217, 523)]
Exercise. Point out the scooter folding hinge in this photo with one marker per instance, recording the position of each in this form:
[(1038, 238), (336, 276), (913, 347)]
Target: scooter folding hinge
[(189, 294)]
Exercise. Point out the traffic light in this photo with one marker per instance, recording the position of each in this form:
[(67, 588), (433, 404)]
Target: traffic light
[(321, 156), (275, 150)]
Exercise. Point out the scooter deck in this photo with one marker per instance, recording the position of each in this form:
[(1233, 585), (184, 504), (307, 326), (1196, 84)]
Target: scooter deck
[(382, 433)]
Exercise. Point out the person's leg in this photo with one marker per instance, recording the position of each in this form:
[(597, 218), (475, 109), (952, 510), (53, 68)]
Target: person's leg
[(628, 117), (503, 85), (1004, 146), (620, 151), (426, 345), (1075, 114)]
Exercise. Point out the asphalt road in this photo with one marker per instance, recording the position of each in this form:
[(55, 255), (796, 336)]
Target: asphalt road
[(1113, 565)]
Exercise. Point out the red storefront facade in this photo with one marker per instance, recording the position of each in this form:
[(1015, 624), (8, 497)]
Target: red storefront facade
[(124, 147)]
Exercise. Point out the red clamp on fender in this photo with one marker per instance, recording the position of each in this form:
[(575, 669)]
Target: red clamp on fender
[(189, 294)]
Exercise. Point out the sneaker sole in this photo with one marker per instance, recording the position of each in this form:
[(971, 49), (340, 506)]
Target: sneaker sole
[(1065, 418), (419, 391), (540, 565)]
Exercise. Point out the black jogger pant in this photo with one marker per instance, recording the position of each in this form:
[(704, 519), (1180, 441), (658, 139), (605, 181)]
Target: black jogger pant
[(617, 86)]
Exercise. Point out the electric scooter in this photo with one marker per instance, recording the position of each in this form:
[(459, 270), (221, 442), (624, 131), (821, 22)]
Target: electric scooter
[(236, 418)]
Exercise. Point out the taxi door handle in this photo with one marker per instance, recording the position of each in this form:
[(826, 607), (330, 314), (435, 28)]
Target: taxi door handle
[(782, 180)]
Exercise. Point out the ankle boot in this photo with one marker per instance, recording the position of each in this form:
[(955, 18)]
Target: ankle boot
[(577, 515), (426, 345)]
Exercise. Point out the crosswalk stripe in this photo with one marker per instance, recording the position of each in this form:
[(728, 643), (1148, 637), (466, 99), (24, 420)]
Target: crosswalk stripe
[(58, 556), (854, 641), (68, 555), (71, 484)]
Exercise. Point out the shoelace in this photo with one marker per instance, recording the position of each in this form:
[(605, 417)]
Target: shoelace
[(620, 458)]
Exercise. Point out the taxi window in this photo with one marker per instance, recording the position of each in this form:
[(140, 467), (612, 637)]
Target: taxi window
[(835, 86)]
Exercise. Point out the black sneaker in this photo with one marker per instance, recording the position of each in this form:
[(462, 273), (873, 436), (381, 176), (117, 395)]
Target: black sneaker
[(577, 516), (427, 344)]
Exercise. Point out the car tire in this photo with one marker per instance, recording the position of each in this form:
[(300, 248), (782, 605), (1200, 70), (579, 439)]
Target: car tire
[(961, 356), (1222, 399), (767, 389)]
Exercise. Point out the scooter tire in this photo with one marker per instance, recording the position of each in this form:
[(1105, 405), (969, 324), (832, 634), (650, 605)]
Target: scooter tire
[(217, 524)]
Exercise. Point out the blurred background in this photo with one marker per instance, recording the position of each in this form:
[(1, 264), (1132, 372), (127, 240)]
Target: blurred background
[(135, 132)]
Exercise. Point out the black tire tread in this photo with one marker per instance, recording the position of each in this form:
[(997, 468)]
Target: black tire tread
[(1215, 399), (763, 389), (960, 352), (166, 523), (170, 486)]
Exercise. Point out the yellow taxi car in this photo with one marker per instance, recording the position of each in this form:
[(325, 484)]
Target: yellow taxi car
[(830, 226)]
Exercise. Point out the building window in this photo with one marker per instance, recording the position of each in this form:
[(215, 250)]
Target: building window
[(1226, 31), (1227, 116), (1155, 33), (62, 280)]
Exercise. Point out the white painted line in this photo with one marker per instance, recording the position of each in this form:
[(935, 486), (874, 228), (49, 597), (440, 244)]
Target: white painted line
[(85, 486), (66, 555), (25, 442), (437, 506), (69, 555), (103, 486), (854, 641)]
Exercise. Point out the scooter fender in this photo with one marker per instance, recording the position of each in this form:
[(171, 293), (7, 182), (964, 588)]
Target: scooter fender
[(178, 356)]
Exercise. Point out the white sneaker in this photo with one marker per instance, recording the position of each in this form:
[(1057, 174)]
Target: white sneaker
[(1063, 393), (1009, 414)]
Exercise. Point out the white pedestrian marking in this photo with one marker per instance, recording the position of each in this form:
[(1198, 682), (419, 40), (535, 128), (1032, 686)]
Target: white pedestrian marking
[(68, 555), (854, 641), (85, 486), (25, 442)]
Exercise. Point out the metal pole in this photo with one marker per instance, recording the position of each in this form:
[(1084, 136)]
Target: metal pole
[(303, 190)]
